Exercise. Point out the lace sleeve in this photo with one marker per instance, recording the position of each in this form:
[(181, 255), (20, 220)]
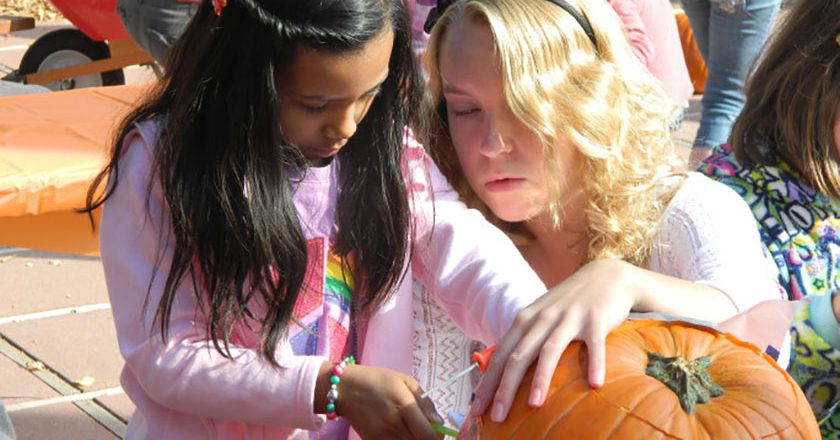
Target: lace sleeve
[(708, 235)]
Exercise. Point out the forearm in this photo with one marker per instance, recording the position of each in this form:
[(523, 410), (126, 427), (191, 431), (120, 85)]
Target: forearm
[(655, 292)]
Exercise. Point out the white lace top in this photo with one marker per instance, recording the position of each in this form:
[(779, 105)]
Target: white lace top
[(707, 235)]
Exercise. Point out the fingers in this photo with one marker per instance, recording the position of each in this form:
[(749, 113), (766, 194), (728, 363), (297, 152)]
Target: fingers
[(493, 374), (596, 346), (418, 423), (427, 407), (550, 354), (507, 373), (419, 415)]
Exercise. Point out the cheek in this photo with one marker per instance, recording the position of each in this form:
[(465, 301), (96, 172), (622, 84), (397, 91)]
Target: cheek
[(464, 133), (296, 129), (466, 149)]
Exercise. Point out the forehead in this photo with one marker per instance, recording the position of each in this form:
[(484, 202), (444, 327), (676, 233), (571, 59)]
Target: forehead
[(467, 45), (314, 72)]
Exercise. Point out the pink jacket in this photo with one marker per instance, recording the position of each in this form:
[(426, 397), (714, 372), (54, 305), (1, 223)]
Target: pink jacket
[(652, 30), (184, 389)]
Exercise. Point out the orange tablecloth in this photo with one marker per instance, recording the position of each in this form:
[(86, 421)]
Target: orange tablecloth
[(51, 147)]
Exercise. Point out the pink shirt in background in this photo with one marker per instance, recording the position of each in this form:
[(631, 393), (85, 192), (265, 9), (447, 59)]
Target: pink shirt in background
[(419, 10), (652, 30)]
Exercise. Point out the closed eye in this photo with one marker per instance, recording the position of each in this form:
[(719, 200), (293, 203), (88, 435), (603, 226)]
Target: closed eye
[(467, 112), (314, 109)]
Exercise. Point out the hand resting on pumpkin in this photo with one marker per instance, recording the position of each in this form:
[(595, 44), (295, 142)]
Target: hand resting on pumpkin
[(586, 306)]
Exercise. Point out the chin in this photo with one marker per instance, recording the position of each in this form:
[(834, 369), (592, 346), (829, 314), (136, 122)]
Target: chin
[(510, 215)]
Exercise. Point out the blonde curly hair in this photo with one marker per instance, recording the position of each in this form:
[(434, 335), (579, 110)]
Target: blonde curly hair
[(601, 98)]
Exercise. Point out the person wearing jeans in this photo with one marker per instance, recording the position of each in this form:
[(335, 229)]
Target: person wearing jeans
[(6, 430), (155, 24), (729, 35)]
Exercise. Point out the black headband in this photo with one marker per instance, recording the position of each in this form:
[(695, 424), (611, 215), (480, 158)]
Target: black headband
[(442, 5)]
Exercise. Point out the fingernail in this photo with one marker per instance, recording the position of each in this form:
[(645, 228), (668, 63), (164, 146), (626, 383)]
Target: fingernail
[(437, 418), (498, 413), (535, 399), (476, 407)]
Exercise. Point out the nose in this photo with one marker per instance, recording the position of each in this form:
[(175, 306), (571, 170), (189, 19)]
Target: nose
[(497, 139), (342, 123)]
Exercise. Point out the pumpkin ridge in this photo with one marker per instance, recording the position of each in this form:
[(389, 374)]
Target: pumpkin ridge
[(658, 388), (597, 394), (746, 400), (655, 384), (719, 414), (743, 406), (554, 396)]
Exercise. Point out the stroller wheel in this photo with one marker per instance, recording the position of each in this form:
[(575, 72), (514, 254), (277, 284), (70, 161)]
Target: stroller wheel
[(65, 48)]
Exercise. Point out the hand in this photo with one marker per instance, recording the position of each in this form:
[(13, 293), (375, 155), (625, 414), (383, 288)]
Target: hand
[(383, 404), (697, 156), (586, 307)]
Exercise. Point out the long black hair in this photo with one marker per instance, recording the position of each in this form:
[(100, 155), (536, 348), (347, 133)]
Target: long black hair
[(225, 167)]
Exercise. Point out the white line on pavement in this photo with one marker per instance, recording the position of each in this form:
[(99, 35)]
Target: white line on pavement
[(54, 313), (64, 399)]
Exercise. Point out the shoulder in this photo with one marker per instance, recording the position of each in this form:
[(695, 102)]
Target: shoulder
[(698, 192), (145, 132), (140, 140), (702, 208)]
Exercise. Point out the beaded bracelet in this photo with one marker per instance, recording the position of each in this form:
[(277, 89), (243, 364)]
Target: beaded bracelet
[(335, 379)]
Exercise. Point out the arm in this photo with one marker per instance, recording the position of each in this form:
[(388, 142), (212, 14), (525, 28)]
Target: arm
[(634, 27), (814, 360), (186, 374), (713, 268)]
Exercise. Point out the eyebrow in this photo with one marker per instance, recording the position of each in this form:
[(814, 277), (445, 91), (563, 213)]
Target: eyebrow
[(375, 89), (449, 88)]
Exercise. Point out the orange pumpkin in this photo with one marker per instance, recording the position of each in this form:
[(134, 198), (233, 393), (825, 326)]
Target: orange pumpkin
[(729, 390)]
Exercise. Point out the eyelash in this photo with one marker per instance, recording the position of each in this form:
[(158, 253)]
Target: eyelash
[(464, 112), (315, 110), (322, 108)]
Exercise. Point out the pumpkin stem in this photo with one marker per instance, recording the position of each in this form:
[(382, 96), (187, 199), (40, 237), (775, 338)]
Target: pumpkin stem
[(690, 380)]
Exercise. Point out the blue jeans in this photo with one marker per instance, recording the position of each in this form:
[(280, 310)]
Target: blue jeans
[(6, 430), (155, 24), (729, 37)]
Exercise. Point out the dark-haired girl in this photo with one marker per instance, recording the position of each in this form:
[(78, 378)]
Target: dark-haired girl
[(264, 216)]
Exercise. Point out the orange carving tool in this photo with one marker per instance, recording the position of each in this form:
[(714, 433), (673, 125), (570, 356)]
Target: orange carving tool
[(480, 360)]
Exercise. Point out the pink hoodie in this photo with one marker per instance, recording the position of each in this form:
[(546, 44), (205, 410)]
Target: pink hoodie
[(184, 389)]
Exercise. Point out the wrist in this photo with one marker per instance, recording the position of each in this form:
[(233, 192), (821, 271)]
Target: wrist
[(631, 279), (322, 387), (327, 394)]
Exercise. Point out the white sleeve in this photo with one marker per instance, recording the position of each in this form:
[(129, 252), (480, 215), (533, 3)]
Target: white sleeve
[(708, 235)]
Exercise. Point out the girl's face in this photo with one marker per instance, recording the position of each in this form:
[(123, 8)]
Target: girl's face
[(502, 159), (324, 96)]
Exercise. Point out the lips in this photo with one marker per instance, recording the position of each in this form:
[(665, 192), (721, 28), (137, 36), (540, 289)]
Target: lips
[(323, 152), (504, 184)]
